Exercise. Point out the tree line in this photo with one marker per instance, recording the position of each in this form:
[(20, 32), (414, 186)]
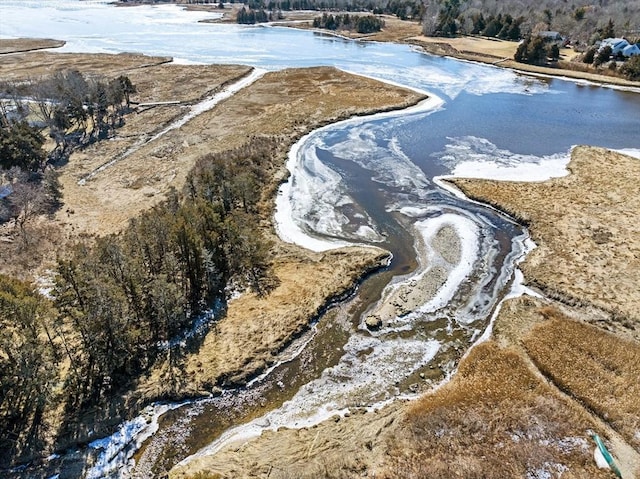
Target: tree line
[(404, 9), (360, 23), (73, 110), (251, 16), (118, 301), (581, 23)]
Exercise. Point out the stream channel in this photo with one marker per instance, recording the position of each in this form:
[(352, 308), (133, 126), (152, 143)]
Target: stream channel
[(368, 181)]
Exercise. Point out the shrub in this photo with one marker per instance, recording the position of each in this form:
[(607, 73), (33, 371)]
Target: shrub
[(602, 56), (589, 55), (631, 68)]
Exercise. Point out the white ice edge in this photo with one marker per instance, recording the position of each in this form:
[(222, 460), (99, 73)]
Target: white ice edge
[(579, 81), (139, 429), (116, 450), (286, 227), (543, 170), (288, 419), (467, 233), (635, 153)]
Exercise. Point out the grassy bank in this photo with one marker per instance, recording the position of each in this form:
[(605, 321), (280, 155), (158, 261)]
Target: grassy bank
[(526, 402), (281, 106)]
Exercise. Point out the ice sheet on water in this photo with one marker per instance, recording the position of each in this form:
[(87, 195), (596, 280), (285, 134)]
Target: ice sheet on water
[(118, 449), (465, 77), (307, 202), (366, 375), (474, 157), (384, 159), (630, 152)]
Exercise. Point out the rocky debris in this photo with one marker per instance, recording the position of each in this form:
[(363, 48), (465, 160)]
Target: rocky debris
[(373, 322)]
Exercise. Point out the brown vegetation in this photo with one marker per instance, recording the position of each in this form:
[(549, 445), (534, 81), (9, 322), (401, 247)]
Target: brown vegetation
[(587, 257), (312, 280), (597, 368), (27, 44), (588, 253), (278, 109), (501, 52), (499, 416), (495, 419)]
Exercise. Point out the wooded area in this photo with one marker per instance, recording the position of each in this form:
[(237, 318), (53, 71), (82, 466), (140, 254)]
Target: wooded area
[(118, 302)]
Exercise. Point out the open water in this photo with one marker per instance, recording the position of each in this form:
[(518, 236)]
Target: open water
[(366, 181)]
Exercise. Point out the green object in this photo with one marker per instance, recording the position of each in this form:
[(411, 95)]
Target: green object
[(607, 455)]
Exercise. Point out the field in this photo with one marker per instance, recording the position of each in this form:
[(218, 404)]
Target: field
[(281, 107), (525, 403), (522, 404)]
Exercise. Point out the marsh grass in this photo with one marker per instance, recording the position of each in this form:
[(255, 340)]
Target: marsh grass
[(597, 368), (495, 419)]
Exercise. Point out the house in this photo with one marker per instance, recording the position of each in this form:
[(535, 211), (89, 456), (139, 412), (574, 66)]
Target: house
[(616, 44), (631, 51), (550, 36)]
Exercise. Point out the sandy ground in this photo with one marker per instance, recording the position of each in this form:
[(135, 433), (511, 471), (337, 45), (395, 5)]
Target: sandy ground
[(408, 296)]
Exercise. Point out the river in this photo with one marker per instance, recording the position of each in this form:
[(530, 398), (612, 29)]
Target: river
[(367, 180)]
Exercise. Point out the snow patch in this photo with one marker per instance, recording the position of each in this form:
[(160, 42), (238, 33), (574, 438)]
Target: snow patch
[(548, 470), (118, 449)]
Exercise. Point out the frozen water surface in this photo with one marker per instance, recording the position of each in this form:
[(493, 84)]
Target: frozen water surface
[(374, 181)]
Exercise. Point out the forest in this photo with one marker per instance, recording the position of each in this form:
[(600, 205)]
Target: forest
[(119, 303), (581, 23), (68, 108)]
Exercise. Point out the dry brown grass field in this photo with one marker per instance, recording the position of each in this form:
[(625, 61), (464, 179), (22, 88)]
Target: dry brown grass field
[(598, 369), (526, 402), (283, 106), (495, 419), (587, 230), (522, 403)]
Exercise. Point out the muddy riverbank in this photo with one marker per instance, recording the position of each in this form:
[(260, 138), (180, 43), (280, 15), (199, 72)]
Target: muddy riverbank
[(284, 105), (516, 405)]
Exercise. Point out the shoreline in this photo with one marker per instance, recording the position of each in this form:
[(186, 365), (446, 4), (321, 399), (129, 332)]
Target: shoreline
[(347, 120), (429, 45), (257, 110), (433, 45), (284, 224)]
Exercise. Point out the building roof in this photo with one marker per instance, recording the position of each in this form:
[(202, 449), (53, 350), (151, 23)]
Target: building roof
[(631, 50), (549, 34)]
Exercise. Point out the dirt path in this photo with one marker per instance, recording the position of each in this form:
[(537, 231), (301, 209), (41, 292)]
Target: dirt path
[(514, 326)]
